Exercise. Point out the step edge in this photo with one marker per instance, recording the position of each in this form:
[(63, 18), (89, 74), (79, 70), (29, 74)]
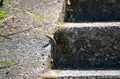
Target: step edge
[(62, 73)]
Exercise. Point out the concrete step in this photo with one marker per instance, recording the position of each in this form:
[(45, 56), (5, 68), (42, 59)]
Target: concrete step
[(86, 51), (90, 24), (82, 74), (87, 47)]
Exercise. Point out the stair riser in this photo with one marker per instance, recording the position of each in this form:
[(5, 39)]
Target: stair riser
[(87, 48)]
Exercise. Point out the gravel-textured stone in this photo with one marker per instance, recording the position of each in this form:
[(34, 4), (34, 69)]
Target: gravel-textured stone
[(82, 74), (22, 38), (32, 59), (23, 24), (93, 11), (88, 47)]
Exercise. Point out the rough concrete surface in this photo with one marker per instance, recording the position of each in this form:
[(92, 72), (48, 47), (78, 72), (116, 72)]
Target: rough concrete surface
[(31, 57), (22, 38), (24, 25), (87, 47), (82, 74), (93, 11)]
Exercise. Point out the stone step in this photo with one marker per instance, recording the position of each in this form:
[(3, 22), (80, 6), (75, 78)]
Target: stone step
[(92, 11), (90, 24), (82, 74), (87, 47), (86, 51)]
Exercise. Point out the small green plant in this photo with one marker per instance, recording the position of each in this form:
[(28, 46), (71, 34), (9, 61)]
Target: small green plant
[(7, 62), (32, 14), (4, 12), (10, 0), (70, 11)]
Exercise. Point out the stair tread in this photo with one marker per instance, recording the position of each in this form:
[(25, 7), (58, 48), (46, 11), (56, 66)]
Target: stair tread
[(62, 73)]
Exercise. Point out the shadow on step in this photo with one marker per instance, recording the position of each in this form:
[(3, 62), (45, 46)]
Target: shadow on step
[(87, 48)]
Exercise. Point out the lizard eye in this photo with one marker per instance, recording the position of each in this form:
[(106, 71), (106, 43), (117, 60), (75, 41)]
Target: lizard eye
[(47, 47)]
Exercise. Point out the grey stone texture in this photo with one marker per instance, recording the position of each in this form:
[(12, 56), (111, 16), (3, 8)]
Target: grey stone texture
[(22, 38), (24, 25), (81, 74), (93, 11), (87, 48), (32, 59)]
